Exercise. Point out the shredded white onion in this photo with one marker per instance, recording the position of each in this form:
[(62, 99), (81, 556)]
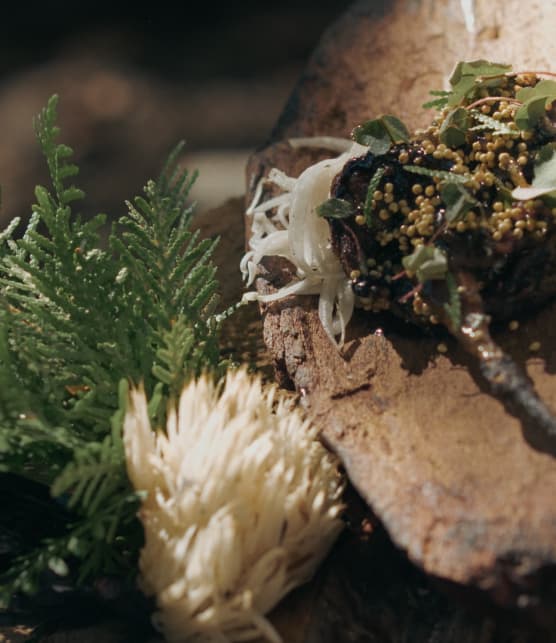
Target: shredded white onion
[(296, 232)]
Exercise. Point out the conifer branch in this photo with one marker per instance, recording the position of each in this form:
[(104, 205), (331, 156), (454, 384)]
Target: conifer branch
[(77, 323)]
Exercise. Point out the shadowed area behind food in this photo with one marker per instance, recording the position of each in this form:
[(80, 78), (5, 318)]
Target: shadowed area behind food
[(132, 82)]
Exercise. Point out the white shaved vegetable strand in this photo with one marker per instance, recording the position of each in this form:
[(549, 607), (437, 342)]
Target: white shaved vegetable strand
[(296, 232)]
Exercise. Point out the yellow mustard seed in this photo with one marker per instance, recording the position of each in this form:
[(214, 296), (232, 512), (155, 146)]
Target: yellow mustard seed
[(416, 188), (360, 219), (534, 347), (505, 226), (513, 325)]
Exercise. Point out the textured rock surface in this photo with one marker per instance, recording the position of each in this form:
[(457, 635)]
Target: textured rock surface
[(459, 483)]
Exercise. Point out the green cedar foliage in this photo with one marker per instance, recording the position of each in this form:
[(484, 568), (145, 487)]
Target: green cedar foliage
[(78, 323)]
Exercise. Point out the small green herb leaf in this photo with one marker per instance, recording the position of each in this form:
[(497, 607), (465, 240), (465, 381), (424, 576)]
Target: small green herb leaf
[(373, 185), (477, 68), (544, 181), (448, 177), (335, 209), (457, 199), (437, 103), (530, 113), (536, 100), (469, 76), (544, 88), (453, 130), (488, 123), (427, 262), (381, 133)]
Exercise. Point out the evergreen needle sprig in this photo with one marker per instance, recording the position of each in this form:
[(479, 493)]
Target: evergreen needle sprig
[(78, 322)]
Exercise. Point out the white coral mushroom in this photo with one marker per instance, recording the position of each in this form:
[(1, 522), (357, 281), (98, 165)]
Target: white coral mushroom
[(242, 504)]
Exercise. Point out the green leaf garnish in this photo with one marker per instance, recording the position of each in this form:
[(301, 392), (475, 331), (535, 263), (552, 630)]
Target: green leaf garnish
[(335, 209), (373, 185), (536, 100), (544, 181), (381, 133), (486, 122), (438, 103), (458, 201), (453, 130), (427, 262), (447, 177), (467, 77)]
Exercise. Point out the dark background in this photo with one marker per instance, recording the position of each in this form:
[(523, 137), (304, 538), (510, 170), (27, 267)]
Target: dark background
[(133, 81)]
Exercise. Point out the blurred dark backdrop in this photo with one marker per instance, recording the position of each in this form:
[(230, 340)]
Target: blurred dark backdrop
[(133, 81)]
